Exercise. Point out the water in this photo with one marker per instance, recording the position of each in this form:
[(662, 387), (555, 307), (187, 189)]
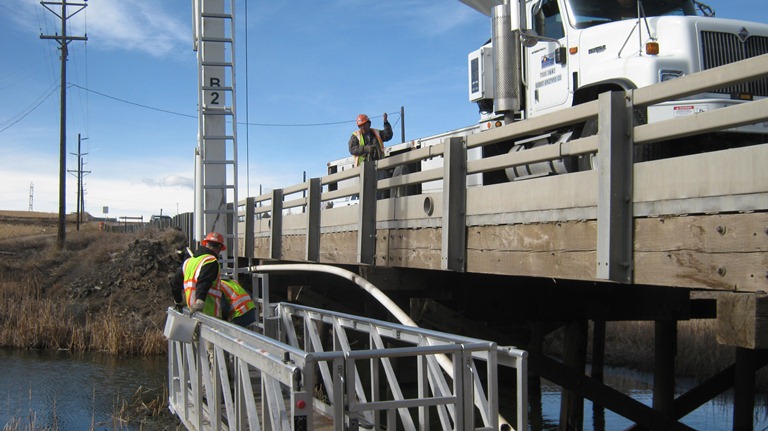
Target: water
[(715, 415), (76, 392), (72, 392)]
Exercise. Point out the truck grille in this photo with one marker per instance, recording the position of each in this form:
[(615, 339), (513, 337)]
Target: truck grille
[(719, 49)]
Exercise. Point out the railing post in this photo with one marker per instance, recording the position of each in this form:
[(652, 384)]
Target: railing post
[(614, 182), (247, 228), (276, 225), (366, 228), (248, 223), (454, 205), (314, 189)]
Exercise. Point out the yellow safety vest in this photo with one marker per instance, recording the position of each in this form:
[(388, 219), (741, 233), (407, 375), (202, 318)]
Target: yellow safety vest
[(239, 300), (361, 141), (192, 267)]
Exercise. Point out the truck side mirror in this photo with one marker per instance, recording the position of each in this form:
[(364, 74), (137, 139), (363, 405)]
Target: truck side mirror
[(560, 55)]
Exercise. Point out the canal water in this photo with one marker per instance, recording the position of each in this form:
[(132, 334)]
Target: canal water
[(58, 390)]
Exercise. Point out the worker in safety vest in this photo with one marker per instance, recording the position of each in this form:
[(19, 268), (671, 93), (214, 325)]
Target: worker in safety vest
[(236, 304), (198, 278), (367, 143)]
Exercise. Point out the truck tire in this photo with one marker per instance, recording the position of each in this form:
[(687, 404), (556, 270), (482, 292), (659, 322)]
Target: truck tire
[(641, 153)]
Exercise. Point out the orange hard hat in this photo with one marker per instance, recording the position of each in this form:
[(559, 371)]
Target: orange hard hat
[(362, 119), (214, 237)]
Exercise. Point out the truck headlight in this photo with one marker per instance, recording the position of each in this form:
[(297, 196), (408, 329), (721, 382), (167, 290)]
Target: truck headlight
[(666, 75)]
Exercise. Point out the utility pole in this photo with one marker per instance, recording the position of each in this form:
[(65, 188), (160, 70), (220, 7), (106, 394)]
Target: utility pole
[(79, 173), (63, 41)]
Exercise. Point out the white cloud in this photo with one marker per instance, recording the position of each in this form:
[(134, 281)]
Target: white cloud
[(170, 181), (138, 25), (179, 181)]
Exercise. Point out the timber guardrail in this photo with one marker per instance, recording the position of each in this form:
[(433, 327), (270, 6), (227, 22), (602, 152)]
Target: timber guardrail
[(307, 222)]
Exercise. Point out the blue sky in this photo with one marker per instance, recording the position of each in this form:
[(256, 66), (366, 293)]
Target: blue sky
[(132, 94)]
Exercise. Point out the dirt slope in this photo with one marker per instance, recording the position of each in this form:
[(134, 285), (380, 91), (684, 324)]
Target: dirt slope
[(126, 273)]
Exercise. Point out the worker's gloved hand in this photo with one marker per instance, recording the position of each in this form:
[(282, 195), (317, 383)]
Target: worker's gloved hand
[(197, 306), (374, 151), (178, 306)]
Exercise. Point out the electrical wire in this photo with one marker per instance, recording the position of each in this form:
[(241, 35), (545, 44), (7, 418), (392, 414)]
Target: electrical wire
[(332, 123), (131, 103), (46, 46), (31, 109)]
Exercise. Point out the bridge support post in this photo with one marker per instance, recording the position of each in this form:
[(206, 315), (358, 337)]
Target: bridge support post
[(575, 356), (614, 179), (665, 350), (744, 389)]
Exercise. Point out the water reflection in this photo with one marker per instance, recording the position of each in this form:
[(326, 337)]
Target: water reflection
[(58, 389), (715, 415)]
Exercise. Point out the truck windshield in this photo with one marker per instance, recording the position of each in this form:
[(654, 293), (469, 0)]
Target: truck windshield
[(586, 13)]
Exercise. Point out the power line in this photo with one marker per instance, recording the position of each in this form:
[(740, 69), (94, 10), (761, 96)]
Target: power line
[(43, 99), (131, 103), (332, 123)]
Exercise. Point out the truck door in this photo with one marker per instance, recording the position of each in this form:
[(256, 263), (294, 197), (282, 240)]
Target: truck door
[(548, 83)]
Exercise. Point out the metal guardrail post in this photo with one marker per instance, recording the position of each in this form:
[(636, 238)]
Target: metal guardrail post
[(276, 225), (248, 223), (454, 206), (314, 189), (614, 197), (366, 229)]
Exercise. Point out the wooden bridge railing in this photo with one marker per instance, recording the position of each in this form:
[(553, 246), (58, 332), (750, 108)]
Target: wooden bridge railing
[(594, 224)]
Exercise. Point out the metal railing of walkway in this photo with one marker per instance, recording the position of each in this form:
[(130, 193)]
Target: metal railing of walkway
[(309, 364)]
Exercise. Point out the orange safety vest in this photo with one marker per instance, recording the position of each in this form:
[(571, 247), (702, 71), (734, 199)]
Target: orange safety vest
[(239, 300), (192, 267), (361, 141)]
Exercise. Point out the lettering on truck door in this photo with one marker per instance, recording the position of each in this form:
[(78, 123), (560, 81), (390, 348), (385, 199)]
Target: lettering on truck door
[(548, 83)]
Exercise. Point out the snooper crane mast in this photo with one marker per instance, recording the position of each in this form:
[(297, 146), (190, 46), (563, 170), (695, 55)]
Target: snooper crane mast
[(216, 151)]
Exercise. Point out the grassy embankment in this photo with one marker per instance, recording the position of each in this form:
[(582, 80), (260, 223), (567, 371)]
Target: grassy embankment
[(42, 319)]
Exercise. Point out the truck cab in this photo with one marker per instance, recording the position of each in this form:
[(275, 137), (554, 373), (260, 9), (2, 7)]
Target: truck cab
[(547, 55), (573, 50)]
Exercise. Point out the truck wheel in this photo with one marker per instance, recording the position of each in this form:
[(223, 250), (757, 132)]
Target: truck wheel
[(641, 153)]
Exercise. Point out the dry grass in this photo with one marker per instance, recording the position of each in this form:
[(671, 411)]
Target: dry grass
[(41, 323), (43, 318), (8, 230), (20, 224), (698, 353), (30, 214), (631, 345)]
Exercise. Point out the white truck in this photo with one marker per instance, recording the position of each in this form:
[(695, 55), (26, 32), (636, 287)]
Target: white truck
[(547, 55)]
